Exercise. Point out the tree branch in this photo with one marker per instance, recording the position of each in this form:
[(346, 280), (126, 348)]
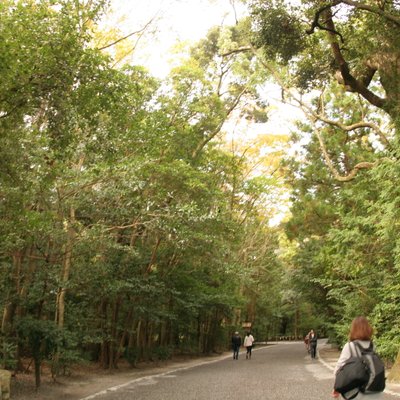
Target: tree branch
[(215, 132), (348, 78), (352, 174), (316, 23), (308, 110), (347, 128), (127, 36), (238, 50), (374, 10)]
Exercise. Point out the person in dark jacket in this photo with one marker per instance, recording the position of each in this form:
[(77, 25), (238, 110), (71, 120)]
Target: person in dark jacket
[(312, 337), (236, 343)]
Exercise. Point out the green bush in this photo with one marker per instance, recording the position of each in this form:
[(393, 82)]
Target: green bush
[(161, 353), (7, 354), (132, 356)]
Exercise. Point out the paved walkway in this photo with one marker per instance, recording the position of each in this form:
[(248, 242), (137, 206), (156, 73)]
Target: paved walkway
[(329, 355)]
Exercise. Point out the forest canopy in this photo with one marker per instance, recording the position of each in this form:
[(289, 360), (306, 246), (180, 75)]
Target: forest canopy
[(134, 224)]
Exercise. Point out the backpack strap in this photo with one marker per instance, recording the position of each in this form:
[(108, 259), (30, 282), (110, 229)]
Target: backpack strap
[(351, 348), (360, 353), (352, 396), (360, 349)]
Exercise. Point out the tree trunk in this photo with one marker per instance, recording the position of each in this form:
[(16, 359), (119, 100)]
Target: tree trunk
[(114, 333), (199, 335), (31, 268), (60, 306), (37, 363), (10, 307), (103, 327), (153, 256), (123, 338), (71, 234)]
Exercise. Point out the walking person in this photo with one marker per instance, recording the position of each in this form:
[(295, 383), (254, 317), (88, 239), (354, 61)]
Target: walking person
[(360, 335), (312, 338), (248, 343), (236, 343), (307, 342)]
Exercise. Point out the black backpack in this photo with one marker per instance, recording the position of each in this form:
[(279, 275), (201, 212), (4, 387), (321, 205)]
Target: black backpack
[(363, 372), (376, 381)]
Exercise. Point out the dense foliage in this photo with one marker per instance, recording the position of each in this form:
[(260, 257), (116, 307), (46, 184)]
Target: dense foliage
[(124, 217), (344, 224), (132, 228)]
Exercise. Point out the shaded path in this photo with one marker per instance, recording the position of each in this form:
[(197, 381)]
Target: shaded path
[(280, 372)]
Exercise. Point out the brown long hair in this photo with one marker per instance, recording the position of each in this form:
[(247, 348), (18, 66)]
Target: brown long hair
[(360, 329)]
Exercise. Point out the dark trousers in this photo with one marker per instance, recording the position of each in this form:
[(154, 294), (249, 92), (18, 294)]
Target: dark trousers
[(248, 351), (313, 349), (236, 352)]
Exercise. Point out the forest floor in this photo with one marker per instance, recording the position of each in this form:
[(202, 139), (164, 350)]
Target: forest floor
[(86, 380)]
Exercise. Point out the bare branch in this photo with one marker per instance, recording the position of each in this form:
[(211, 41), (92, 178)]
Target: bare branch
[(122, 227), (234, 10), (348, 78), (352, 174), (215, 132), (140, 31), (374, 10), (317, 24), (238, 50), (352, 127), (321, 117), (140, 36), (317, 116)]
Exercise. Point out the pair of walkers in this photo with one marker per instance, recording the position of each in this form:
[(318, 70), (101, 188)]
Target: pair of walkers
[(237, 342), (310, 341)]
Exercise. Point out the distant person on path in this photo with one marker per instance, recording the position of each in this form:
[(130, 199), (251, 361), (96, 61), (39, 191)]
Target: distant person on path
[(236, 343), (312, 337), (248, 343), (361, 332), (307, 342)]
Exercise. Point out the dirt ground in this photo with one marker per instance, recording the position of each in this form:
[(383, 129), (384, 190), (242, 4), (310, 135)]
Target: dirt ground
[(87, 380)]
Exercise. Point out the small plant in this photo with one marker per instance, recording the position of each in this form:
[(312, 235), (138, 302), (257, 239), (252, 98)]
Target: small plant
[(62, 362), (7, 354), (132, 356), (161, 353)]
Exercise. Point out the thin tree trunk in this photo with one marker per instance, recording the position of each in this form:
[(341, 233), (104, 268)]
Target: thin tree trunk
[(123, 340), (71, 234), (114, 331), (148, 337), (153, 256), (10, 306), (31, 268), (60, 308), (104, 344), (37, 371)]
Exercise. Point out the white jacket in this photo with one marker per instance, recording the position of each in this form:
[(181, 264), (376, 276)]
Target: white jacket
[(248, 341)]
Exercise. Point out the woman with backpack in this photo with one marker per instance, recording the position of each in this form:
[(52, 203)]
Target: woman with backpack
[(360, 344)]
